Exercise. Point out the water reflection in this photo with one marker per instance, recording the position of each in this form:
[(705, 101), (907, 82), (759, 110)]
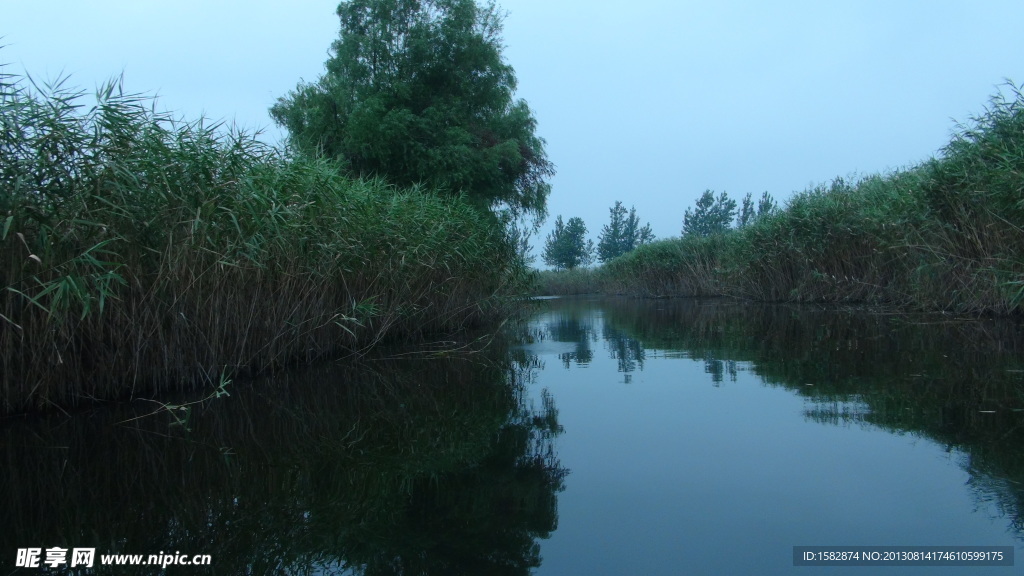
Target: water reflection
[(444, 466), (390, 467), (628, 352), (957, 382), (578, 330)]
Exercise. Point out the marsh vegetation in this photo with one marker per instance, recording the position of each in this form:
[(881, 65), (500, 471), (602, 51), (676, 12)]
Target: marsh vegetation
[(144, 253), (947, 234)]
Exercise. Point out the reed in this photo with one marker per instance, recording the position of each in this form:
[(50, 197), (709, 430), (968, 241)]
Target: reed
[(565, 282), (667, 268), (142, 254), (947, 234)]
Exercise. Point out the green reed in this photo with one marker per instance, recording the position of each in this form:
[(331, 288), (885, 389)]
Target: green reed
[(143, 253), (947, 234), (565, 282)]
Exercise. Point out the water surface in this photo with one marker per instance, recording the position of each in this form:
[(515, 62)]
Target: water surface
[(603, 437), (713, 436), (415, 464)]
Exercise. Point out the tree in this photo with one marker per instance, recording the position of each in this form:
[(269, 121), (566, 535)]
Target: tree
[(746, 215), (418, 92), (710, 216), (566, 246), (622, 234), (766, 205)]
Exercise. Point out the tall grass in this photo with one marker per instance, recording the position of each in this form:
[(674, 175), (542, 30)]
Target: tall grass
[(565, 282), (947, 234), (142, 254), (666, 268)]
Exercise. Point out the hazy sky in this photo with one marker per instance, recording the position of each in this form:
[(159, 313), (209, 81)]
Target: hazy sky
[(648, 102)]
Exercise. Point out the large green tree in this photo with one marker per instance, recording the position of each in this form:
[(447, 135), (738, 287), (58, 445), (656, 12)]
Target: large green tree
[(418, 92), (566, 246), (622, 234)]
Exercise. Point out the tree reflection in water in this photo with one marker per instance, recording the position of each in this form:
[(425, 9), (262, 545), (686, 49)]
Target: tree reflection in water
[(959, 382), (418, 466)]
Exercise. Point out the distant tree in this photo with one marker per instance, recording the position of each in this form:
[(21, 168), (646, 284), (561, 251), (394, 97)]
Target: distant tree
[(766, 205), (710, 216), (635, 234), (622, 234), (418, 92), (610, 243), (746, 215), (566, 246)]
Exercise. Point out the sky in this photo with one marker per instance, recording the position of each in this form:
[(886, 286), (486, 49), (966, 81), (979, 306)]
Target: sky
[(648, 102)]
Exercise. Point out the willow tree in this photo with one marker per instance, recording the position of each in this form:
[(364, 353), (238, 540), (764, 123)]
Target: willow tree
[(418, 92)]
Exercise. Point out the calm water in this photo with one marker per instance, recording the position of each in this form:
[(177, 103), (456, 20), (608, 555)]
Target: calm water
[(608, 437), (712, 437)]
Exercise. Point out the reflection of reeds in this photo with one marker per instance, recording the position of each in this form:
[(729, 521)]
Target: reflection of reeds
[(957, 382), (945, 235), (332, 466), (142, 255)]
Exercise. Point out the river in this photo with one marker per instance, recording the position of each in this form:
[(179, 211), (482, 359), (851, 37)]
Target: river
[(601, 437)]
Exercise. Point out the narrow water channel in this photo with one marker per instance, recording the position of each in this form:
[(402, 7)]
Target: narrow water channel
[(711, 437), (607, 437)]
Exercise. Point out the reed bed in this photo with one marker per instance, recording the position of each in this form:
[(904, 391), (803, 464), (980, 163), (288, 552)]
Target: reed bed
[(947, 234), (143, 254), (565, 282)]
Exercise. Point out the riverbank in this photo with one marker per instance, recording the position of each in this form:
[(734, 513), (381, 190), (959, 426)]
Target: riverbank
[(947, 235), (143, 255)]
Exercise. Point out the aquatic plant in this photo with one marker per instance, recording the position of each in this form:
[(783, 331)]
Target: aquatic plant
[(141, 253), (947, 234), (565, 282)]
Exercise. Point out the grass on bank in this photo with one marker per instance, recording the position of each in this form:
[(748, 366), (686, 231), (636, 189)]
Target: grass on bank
[(947, 234), (564, 282), (142, 254)]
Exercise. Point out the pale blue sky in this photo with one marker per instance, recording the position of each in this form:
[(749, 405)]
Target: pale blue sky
[(648, 102)]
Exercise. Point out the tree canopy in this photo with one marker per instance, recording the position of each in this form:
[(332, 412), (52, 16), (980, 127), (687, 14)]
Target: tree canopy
[(622, 234), (766, 205), (710, 216), (566, 246), (747, 215), (714, 215), (418, 92)]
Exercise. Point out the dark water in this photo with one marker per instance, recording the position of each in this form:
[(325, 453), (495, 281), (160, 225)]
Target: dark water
[(415, 465), (608, 437)]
